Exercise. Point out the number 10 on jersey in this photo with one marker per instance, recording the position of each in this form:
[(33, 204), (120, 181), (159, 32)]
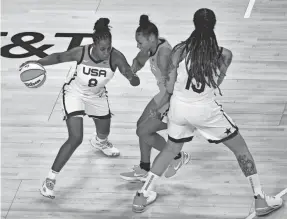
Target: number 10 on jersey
[(196, 87)]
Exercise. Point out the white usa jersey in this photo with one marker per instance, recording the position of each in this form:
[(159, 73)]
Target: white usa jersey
[(188, 90), (154, 64), (91, 76)]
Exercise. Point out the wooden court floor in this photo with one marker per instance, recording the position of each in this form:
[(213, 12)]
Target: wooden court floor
[(212, 184)]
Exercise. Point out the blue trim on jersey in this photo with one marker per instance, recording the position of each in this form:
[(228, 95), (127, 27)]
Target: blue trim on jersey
[(89, 54), (82, 56), (63, 90), (232, 135), (110, 61), (162, 42), (97, 62), (75, 113), (108, 116)]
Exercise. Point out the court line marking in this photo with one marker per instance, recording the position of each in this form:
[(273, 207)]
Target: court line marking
[(98, 6), (58, 95), (249, 8), (279, 195)]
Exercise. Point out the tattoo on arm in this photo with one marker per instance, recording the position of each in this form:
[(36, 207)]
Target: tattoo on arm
[(126, 71), (171, 67)]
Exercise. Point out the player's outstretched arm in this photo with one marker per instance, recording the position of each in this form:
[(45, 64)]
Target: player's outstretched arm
[(74, 54), (124, 68), (139, 61), (173, 61), (163, 62)]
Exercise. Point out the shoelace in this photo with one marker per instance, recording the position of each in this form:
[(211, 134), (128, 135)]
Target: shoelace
[(107, 144)]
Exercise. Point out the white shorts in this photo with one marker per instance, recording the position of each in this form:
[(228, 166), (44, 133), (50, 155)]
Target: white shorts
[(76, 105), (208, 119)]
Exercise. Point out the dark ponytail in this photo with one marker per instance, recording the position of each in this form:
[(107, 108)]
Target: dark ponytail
[(102, 30), (146, 27)]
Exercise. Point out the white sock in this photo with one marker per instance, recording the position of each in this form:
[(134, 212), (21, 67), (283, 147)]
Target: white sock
[(52, 174), (149, 183), (255, 184)]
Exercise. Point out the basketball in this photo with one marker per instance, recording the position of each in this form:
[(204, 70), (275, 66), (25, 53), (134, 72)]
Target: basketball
[(33, 75)]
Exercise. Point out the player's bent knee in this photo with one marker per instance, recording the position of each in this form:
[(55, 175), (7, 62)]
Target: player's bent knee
[(147, 129), (75, 140), (141, 131), (150, 126)]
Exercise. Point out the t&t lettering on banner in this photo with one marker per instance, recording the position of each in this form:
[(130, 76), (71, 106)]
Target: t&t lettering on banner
[(17, 41)]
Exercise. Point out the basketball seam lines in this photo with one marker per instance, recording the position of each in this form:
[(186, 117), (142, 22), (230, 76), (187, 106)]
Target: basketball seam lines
[(32, 78)]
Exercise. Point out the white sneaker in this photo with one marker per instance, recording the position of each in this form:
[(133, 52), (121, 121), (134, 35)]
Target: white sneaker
[(266, 204), (47, 189), (142, 200), (175, 165), (106, 147), (137, 174)]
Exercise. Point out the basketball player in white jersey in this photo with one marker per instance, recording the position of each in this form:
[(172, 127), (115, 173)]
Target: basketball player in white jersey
[(198, 68), (85, 94), (157, 50)]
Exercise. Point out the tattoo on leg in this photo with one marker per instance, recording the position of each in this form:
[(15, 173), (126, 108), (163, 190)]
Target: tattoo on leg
[(246, 165)]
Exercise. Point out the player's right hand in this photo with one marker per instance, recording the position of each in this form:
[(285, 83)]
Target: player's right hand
[(135, 81)]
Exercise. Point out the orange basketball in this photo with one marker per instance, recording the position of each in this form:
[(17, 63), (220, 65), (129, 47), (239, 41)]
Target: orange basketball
[(33, 75)]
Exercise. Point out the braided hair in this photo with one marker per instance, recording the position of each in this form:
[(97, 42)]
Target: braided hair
[(102, 30), (146, 27), (201, 49)]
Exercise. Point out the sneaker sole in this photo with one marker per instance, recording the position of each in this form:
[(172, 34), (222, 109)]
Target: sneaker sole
[(145, 207), (186, 162), (133, 180), (260, 213), (46, 196)]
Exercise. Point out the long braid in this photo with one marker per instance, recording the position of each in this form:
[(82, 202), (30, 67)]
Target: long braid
[(201, 49)]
